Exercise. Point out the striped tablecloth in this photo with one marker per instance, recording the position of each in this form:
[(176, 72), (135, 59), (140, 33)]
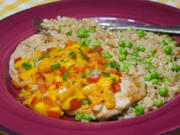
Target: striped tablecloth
[(9, 7)]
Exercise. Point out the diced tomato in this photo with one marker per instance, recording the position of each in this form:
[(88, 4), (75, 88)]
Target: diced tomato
[(17, 59), (58, 84), (90, 50), (48, 101), (15, 84), (40, 81), (34, 101), (49, 49), (114, 71), (79, 68), (102, 67), (93, 78), (54, 81), (75, 104), (69, 43), (98, 49), (53, 114), (62, 70), (115, 87)]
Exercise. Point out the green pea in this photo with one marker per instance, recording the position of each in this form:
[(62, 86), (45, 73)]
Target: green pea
[(139, 110), (126, 65), (69, 33), (85, 102), (155, 81), (141, 48), (81, 32), (97, 43), (107, 55), (91, 30), (154, 75), (130, 29), (128, 44), (163, 42), (121, 43), (87, 117), (132, 59), (60, 28), (78, 117), (80, 42), (175, 43), (122, 57), (158, 102), (150, 54), (165, 79), (149, 67), (121, 70), (141, 33), (148, 61), (163, 91), (147, 78), (87, 42), (134, 53), (169, 38), (175, 67), (123, 51), (167, 49)]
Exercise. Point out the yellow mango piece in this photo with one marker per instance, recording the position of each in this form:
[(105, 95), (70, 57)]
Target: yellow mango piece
[(44, 65), (64, 94), (28, 100), (104, 83), (66, 104), (24, 93), (89, 89), (28, 75), (109, 99), (40, 108)]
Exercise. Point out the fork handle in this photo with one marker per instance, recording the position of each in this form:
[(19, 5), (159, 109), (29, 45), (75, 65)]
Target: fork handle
[(164, 29)]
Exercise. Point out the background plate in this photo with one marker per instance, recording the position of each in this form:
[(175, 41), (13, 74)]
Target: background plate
[(16, 28)]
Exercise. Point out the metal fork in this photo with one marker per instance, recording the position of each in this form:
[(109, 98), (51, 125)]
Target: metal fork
[(163, 29)]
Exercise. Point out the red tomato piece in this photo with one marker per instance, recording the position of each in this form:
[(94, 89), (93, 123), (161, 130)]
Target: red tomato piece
[(93, 78), (40, 81), (98, 49), (75, 104), (34, 101), (62, 70), (53, 114), (17, 59), (115, 87)]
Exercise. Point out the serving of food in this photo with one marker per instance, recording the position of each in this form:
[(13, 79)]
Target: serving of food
[(84, 71)]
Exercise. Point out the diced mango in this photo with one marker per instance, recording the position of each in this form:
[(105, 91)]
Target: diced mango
[(40, 108), (104, 83), (109, 99), (64, 94)]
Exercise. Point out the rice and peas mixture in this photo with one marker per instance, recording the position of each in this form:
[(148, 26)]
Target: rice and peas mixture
[(155, 56)]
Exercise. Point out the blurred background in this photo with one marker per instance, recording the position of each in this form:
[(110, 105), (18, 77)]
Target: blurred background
[(9, 7)]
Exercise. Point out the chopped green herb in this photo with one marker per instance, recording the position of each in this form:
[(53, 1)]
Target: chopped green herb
[(55, 66), (83, 75), (106, 64), (73, 82), (106, 74), (65, 76), (73, 54), (45, 55), (86, 102), (113, 79), (115, 65), (84, 84), (37, 60), (26, 65)]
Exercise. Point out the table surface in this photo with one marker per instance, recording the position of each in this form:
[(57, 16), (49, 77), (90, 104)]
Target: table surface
[(9, 7)]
